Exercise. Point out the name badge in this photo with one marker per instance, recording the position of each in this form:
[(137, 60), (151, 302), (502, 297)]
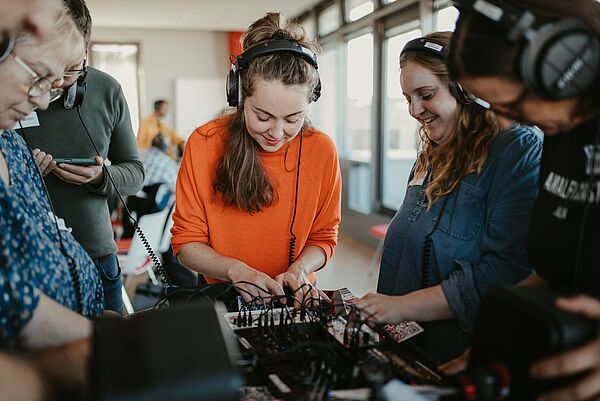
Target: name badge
[(29, 121)]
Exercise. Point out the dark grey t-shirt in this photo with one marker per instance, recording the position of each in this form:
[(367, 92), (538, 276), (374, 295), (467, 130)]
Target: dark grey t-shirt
[(61, 134)]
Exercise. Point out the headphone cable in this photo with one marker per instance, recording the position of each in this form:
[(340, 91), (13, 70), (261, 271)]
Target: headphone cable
[(292, 248), (161, 270)]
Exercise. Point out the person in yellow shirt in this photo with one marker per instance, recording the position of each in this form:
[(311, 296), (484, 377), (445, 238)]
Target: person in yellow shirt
[(153, 125)]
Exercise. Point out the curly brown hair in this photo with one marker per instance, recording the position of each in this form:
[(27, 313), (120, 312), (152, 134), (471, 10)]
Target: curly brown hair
[(467, 149)]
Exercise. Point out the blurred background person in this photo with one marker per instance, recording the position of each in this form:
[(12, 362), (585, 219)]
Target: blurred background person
[(154, 125)]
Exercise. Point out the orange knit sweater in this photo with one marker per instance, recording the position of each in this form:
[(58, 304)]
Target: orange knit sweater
[(260, 240)]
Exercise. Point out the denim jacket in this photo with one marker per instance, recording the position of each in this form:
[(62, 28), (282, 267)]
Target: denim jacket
[(479, 242)]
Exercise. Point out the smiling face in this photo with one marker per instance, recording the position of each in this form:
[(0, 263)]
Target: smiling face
[(429, 101), (275, 113), (513, 100)]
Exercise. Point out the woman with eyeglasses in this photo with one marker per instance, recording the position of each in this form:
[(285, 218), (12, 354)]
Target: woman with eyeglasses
[(47, 281), (461, 228), (546, 71)]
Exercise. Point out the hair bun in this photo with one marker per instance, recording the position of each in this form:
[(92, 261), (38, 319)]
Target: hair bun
[(280, 34)]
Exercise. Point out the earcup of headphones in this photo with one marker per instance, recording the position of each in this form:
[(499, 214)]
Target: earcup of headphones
[(70, 95), (316, 92), (232, 88), (561, 60), (459, 94), (75, 94), (6, 45)]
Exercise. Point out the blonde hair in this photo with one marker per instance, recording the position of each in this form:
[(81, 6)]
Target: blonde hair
[(64, 38), (467, 149), (240, 178)]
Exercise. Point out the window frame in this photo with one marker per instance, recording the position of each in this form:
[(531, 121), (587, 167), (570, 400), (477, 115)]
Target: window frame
[(385, 17)]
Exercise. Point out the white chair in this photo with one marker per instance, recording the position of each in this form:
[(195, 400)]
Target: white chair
[(137, 261)]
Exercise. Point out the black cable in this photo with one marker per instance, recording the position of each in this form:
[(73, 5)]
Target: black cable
[(70, 261), (292, 249), (161, 270), (428, 247)]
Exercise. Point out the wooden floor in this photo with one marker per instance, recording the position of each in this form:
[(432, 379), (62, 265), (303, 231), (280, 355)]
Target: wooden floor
[(349, 267)]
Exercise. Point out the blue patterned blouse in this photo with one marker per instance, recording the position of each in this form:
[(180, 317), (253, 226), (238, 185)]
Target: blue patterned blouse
[(32, 261)]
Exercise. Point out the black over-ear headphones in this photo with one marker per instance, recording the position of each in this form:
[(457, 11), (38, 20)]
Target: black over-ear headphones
[(440, 51), (6, 45), (74, 95), (560, 59), (234, 86)]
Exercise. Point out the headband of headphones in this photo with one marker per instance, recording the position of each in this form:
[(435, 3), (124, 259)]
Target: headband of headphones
[(438, 50), (275, 46), (515, 21), (426, 45), (7, 43), (560, 59), (241, 62)]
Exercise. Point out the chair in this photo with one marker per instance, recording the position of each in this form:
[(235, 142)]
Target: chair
[(134, 259), (377, 231)]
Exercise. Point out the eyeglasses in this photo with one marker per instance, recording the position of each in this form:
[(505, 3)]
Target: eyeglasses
[(55, 94), (40, 85), (74, 73)]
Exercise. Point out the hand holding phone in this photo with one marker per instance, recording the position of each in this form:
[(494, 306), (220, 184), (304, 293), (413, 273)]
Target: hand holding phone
[(88, 171)]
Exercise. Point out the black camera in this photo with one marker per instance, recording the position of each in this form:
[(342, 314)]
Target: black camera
[(514, 329)]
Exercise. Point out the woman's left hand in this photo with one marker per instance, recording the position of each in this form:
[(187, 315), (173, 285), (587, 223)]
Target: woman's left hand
[(305, 293), (379, 308), (583, 359)]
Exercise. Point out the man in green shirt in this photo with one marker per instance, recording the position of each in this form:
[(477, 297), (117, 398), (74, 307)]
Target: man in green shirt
[(80, 193)]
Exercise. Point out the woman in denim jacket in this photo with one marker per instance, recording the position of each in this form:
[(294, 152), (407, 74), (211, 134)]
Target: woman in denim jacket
[(462, 227)]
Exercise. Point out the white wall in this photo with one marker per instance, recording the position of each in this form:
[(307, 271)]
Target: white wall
[(168, 55)]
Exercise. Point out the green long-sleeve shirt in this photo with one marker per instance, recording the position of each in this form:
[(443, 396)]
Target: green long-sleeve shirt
[(61, 134)]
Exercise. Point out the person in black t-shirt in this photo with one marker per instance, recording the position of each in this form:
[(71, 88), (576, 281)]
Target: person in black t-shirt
[(538, 62)]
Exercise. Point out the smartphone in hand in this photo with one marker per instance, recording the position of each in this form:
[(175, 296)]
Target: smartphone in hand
[(77, 161)]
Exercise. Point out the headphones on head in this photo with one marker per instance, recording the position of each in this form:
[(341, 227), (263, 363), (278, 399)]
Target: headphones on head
[(6, 45), (241, 62), (560, 60), (73, 97), (440, 51)]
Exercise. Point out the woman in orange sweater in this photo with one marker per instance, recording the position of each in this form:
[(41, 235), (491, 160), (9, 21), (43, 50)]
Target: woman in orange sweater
[(259, 191)]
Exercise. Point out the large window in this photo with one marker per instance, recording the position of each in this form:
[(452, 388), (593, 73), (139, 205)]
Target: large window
[(362, 107), (120, 60), (329, 19), (445, 18), (400, 130), (326, 112), (359, 97), (356, 9)]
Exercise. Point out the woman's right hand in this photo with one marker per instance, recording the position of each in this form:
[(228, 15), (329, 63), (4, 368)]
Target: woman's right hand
[(243, 274)]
